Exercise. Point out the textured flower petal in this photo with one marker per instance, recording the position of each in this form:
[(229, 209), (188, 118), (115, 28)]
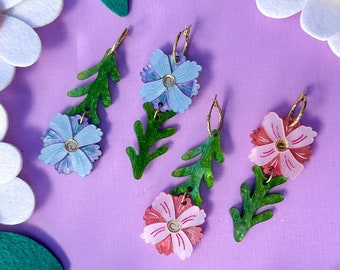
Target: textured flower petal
[(290, 167), (6, 4), (164, 204), (165, 246), (263, 154), (321, 19), (10, 162), (152, 216), (155, 233), (64, 166), (273, 125), (280, 8), (186, 72), (334, 44), (50, 137), (160, 63), (16, 202), (3, 122), (7, 72), (53, 153), (181, 245), (88, 135), (300, 137), (191, 217), (36, 13), (92, 152), (177, 100), (152, 90), (61, 125), (21, 49), (194, 234), (81, 163)]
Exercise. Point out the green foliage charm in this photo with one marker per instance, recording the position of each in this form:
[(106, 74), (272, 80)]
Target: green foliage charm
[(251, 203), (146, 139), (120, 7), (98, 89), (201, 169)]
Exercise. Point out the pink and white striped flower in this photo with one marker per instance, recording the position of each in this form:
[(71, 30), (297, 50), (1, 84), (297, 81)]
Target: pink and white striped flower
[(280, 148), (172, 225)]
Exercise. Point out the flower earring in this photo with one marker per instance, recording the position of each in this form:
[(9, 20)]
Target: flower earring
[(71, 143), (281, 146), (170, 82), (173, 222)]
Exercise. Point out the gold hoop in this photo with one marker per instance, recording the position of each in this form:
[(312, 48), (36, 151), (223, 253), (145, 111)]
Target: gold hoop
[(270, 177), (160, 105), (186, 33), (219, 110), (118, 42), (302, 98)]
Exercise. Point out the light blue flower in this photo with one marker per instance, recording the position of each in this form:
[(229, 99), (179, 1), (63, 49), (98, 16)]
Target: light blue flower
[(70, 145), (168, 83)]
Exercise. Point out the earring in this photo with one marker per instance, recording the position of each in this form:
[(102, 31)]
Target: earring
[(71, 143), (281, 146), (173, 222), (170, 82)]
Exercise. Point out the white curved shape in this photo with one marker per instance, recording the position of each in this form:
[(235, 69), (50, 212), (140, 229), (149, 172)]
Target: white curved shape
[(3, 122), (16, 202), (20, 45), (7, 72), (6, 4), (334, 44), (36, 13), (279, 9), (10, 162)]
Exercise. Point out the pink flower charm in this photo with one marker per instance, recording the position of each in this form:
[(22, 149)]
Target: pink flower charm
[(281, 148), (173, 226)]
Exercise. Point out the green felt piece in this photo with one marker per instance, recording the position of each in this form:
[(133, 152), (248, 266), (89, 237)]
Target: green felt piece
[(146, 139), (18, 252), (253, 202), (98, 89), (201, 169), (120, 7)]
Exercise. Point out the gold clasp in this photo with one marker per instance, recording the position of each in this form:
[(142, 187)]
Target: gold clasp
[(186, 33), (119, 41), (219, 110), (302, 98)]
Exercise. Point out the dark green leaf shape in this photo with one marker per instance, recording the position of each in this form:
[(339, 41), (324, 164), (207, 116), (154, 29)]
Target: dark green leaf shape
[(201, 169), (98, 89), (20, 252), (251, 203), (120, 7), (146, 139)]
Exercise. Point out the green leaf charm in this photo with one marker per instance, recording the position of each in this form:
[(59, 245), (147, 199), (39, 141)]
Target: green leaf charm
[(98, 89), (251, 203), (120, 7), (147, 138), (21, 252), (201, 169)]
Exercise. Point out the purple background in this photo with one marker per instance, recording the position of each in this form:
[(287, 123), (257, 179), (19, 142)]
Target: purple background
[(254, 64)]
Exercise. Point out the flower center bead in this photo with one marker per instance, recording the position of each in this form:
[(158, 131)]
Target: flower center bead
[(281, 145), (71, 145), (174, 226), (169, 81)]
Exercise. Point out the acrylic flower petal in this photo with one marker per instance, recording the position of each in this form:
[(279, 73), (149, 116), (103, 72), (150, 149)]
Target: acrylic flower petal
[(334, 44), (53, 153), (10, 162), (155, 233), (181, 245), (81, 163), (152, 90), (7, 72), (300, 137), (186, 72), (273, 125), (16, 202), (280, 8), (88, 135), (21, 49), (3, 122), (160, 63), (64, 166), (321, 19), (6, 4), (177, 100), (62, 126), (290, 167), (263, 154), (36, 13), (164, 204), (191, 217)]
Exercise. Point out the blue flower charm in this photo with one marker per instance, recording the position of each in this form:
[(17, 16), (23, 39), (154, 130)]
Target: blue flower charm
[(168, 83), (70, 144)]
